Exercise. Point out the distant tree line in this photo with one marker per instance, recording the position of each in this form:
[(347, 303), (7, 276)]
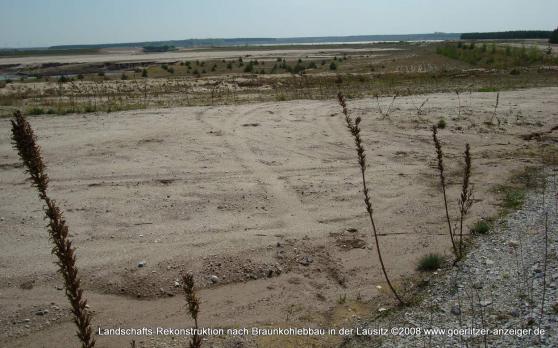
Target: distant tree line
[(164, 48), (554, 37), (503, 35)]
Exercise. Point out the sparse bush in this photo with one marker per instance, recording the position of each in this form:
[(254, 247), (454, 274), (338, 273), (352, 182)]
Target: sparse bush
[(430, 262), (441, 123), (513, 198), (481, 227), (144, 73), (332, 66), (35, 111), (249, 68), (124, 76)]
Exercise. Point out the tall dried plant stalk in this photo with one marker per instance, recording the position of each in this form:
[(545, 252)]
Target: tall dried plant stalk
[(495, 107), (193, 306), (354, 128), (440, 156), (466, 198), (25, 142), (545, 264), (458, 104)]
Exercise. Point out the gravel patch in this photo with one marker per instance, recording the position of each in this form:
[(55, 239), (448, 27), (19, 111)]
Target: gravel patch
[(499, 286)]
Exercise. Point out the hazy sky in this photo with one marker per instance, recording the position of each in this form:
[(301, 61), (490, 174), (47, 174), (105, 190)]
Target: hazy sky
[(25, 23)]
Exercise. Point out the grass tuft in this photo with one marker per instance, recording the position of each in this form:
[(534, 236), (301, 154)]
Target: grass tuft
[(481, 227), (430, 262)]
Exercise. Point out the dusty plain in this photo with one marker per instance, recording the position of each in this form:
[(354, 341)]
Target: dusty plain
[(261, 200)]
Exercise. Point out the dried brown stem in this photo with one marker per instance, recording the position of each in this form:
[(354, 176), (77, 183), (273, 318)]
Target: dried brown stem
[(25, 142), (355, 132), (465, 201), (440, 155), (193, 306)]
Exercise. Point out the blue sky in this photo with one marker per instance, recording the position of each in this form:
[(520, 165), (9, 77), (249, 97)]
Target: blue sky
[(26, 23)]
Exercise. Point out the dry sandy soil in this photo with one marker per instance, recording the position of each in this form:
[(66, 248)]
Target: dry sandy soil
[(260, 196), (118, 56)]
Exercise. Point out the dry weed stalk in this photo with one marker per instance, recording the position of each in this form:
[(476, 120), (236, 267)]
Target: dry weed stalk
[(545, 264), (458, 104), (388, 112), (440, 156), (25, 142), (465, 201), (354, 128), (193, 306), (495, 108)]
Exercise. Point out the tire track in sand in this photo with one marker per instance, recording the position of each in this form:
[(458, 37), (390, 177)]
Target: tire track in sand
[(240, 140)]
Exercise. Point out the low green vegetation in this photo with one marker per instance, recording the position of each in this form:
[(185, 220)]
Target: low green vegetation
[(513, 197), (491, 55), (430, 262), (481, 227)]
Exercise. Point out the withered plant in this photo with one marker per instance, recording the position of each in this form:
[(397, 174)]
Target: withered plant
[(25, 142), (441, 172), (388, 111), (466, 197), (193, 306), (354, 128), (495, 108)]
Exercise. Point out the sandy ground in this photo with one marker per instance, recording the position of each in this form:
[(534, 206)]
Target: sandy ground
[(185, 54), (260, 196)]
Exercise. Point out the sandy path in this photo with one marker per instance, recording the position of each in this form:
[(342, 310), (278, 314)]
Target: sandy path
[(246, 193)]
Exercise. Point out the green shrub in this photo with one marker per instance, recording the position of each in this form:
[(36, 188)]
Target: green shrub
[(481, 227), (430, 262), (144, 73), (513, 198), (249, 67), (442, 123), (35, 111), (332, 66)]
